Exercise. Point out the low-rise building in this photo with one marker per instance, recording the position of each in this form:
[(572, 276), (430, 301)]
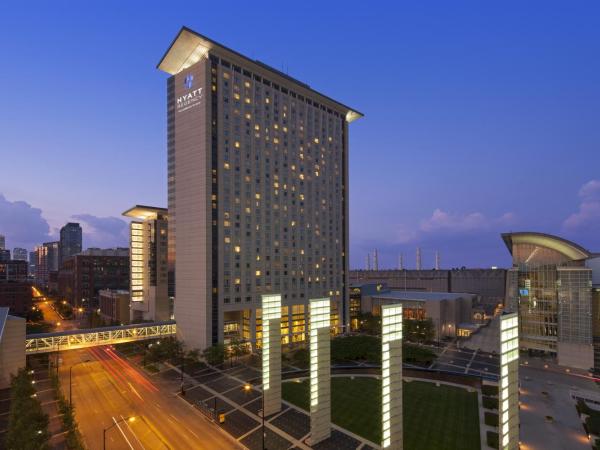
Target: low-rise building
[(449, 311), (82, 276), (114, 306)]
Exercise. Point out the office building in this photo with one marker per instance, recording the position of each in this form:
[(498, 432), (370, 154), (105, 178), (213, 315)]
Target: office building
[(15, 290), (550, 286), (2, 242), (82, 276), (70, 241), (13, 270), (47, 259), (258, 193), (148, 263), (489, 284), (114, 306), (19, 254), (4, 255), (32, 263)]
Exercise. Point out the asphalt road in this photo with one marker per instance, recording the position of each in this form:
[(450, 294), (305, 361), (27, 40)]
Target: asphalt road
[(108, 388)]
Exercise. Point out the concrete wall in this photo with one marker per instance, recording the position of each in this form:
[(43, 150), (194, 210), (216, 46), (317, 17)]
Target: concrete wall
[(12, 349), (580, 356)]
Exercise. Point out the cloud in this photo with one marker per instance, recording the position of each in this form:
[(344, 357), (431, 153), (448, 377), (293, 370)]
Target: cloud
[(588, 214), (103, 232), (22, 224), (441, 221)]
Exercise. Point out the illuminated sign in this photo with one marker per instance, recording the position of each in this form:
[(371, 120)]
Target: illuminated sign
[(524, 292), (191, 98)]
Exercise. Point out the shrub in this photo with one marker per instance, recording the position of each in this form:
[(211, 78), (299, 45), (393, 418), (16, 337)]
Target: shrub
[(593, 424), (490, 402), (215, 354)]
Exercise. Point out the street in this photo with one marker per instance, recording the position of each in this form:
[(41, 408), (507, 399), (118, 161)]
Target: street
[(107, 390)]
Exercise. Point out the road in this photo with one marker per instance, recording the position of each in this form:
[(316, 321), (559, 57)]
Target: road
[(108, 388), (51, 316), (546, 391)]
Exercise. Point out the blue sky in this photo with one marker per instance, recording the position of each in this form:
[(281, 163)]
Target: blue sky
[(480, 117)]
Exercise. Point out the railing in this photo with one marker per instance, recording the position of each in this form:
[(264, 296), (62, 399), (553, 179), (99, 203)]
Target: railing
[(74, 339)]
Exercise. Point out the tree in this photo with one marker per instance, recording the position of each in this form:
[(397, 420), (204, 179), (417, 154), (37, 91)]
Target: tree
[(214, 354), (370, 324), (27, 423), (418, 330)]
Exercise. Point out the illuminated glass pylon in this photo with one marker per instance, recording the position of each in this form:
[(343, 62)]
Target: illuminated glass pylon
[(271, 353), (320, 370), (509, 382), (391, 377)]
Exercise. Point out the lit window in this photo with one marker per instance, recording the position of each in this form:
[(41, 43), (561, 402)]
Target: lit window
[(237, 248), (236, 144)]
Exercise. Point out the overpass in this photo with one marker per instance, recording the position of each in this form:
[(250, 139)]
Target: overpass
[(93, 337)]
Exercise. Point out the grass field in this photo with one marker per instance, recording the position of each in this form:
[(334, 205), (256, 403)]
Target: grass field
[(435, 418)]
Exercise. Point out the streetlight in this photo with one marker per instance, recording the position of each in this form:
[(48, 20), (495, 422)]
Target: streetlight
[(71, 380), (248, 388), (123, 419)]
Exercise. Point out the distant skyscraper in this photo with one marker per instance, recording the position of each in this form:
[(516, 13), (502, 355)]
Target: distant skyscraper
[(437, 260), (4, 255), (375, 260), (32, 262), (2, 242), (70, 241), (19, 254), (47, 256), (258, 193), (418, 258)]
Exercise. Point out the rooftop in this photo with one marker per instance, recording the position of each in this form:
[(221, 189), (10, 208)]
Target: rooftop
[(189, 47), (422, 295), (567, 248), (143, 212)]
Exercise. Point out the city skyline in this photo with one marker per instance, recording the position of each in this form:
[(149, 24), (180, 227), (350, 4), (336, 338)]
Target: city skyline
[(472, 101)]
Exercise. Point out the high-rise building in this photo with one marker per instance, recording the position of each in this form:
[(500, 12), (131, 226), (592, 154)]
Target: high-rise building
[(47, 258), (2, 242), (70, 241), (258, 193), (32, 263), (4, 255), (148, 263), (550, 286), (19, 254)]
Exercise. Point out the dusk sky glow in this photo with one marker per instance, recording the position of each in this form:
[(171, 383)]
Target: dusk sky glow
[(480, 118)]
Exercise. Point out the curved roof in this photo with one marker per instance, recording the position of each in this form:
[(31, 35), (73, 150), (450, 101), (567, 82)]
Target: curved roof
[(563, 246)]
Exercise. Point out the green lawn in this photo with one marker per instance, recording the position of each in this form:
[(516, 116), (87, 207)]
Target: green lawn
[(435, 418)]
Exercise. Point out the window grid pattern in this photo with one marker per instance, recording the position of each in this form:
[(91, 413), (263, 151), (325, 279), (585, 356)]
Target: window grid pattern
[(509, 381), (391, 379)]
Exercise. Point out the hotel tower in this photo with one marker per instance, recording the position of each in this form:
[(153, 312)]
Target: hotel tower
[(258, 194)]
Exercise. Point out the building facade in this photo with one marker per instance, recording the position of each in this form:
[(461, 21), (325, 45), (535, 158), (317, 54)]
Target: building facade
[(15, 290), (70, 241), (2, 242), (19, 254), (258, 193), (114, 306), (47, 260), (4, 255), (550, 286), (148, 263), (82, 276), (489, 284)]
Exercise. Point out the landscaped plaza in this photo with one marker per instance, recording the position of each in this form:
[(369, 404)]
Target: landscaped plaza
[(438, 414), (435, 417)]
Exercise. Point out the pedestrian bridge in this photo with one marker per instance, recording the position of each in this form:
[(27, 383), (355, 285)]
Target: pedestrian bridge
[(93, 337)]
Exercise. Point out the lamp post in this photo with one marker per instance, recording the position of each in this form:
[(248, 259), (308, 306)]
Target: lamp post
[(71, 380), (123, 419), (182, 370), (247, 388)]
